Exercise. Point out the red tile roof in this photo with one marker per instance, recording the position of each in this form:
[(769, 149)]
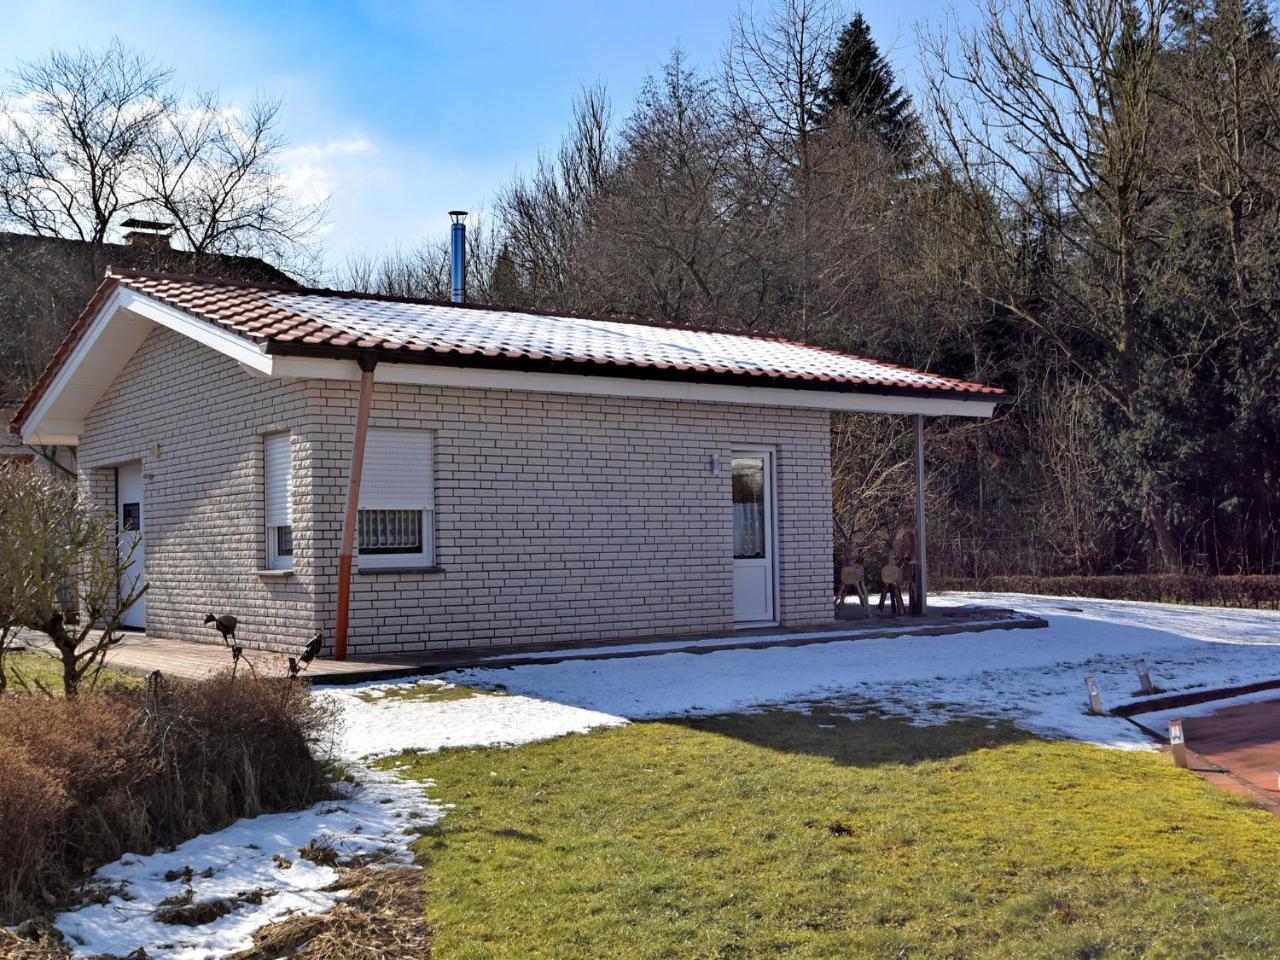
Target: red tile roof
[(300, 320)]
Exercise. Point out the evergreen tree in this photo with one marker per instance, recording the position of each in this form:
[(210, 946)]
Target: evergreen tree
[(861, 84)]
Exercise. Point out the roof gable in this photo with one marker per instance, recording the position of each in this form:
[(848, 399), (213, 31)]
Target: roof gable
[(255, 323)]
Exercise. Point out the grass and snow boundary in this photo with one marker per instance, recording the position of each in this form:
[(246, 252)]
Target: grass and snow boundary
[(240, 879), (1033, 678)]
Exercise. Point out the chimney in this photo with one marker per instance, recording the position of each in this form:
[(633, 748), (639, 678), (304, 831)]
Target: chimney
[(458, 265), (151, 234)]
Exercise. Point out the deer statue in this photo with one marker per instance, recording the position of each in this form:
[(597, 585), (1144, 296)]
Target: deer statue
[(853, 576), (891, 575)]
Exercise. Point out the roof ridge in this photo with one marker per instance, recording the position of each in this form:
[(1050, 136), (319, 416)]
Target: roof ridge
[(297, 288)]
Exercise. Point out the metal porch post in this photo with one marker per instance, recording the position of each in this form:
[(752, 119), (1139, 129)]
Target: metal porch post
[(922, 566)]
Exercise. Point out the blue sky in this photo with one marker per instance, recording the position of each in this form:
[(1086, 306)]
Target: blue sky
[(400, 111)]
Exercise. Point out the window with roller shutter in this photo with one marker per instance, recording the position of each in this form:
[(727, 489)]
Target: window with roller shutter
[(278, 482), (395, 523)]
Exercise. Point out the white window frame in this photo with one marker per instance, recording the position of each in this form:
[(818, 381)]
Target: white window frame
[(275, 559), (395, 477)]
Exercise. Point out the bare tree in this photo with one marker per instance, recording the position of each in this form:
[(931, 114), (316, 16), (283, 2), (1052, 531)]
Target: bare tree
[(72, 134), (664, 241), (211, 170), (546, 214), (91, 136), (1046, 112), (54, 543), (775, 72)]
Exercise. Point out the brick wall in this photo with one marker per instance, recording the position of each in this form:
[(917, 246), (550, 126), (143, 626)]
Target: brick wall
[(557, 518), (570, 518), (203, 520)]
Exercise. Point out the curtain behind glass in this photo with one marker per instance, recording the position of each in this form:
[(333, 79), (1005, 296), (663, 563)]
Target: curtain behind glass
[(748, 508)]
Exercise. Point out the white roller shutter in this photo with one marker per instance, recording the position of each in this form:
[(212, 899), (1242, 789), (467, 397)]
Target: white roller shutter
[(278, 454), (397, 471), (396, 500)]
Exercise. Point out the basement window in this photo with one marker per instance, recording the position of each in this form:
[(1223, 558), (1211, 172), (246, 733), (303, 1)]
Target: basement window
[(395, 523), (278, 483)]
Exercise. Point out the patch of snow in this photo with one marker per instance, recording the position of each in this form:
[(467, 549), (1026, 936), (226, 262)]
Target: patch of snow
[(1211, 624), (374, 818), (389, 725), (1032, 677)]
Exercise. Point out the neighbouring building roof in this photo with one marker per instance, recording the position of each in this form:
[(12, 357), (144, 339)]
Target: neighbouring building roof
[(150, 258), (46, 281), (285, 320)]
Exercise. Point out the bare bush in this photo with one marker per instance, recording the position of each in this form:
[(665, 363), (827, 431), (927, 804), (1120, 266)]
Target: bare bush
[(1256, 592), (54, 543), (85, 780)]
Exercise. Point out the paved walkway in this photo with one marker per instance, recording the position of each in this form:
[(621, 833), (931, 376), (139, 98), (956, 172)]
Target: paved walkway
[(142, 654), (1241, 745)]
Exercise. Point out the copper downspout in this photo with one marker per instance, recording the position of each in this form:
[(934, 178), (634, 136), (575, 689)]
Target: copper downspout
[(367, 364)]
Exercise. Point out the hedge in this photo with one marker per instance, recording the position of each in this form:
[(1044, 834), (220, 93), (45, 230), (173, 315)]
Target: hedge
[(1228, 591)]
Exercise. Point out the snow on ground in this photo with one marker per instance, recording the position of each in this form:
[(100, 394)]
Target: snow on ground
[(252, 860), (1033, 677), (376, 725)]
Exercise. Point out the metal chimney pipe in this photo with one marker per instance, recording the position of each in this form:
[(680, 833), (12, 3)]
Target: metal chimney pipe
[(459, 258)]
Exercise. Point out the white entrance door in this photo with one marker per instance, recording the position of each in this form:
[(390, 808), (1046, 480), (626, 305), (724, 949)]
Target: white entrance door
[(130, 525), (753, 547)]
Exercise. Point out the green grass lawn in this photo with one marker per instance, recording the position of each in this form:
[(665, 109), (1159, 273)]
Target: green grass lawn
[(40, 669), (814, 836), (429, 692)]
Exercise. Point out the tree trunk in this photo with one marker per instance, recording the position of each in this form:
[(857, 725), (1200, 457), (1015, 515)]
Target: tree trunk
[(1170, 555), (66, 647)]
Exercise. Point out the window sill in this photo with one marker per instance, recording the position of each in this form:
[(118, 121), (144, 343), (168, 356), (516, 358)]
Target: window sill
[(282, 573), (407, 568)]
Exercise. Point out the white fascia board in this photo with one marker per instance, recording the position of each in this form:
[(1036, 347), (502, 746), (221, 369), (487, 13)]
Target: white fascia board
[(599, 386), (234, 346), (40, 428)]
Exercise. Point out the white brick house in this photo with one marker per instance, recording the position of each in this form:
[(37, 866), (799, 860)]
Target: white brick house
[(525, 478)]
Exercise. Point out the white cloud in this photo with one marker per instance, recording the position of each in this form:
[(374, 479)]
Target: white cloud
[(383, 194), (313, 172)]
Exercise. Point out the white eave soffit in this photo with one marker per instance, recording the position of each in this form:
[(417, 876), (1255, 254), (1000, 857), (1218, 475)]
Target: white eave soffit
[(113, 336)]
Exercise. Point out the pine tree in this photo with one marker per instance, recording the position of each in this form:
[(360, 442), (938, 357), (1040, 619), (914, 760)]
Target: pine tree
[(861, 84)]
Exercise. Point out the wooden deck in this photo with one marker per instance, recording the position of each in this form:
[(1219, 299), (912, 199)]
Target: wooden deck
[(142, 654)]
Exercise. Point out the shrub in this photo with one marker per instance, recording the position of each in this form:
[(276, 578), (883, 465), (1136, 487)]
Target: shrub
[(1229, 591), (62, 556), (85, 780)]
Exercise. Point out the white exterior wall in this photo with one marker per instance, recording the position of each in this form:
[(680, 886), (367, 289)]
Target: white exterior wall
[(557, 518), (203, 501), (564, 518)]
